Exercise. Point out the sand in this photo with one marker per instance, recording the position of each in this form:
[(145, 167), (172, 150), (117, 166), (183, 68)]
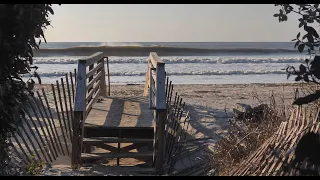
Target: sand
[(211, 105)]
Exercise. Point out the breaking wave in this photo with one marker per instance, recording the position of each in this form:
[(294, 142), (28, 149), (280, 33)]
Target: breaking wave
[(137, 50), (218, 72), (176, 60)]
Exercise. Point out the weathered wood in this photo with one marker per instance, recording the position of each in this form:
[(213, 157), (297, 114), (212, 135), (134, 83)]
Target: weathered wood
[(58, 114), (121, 112), (109, 91), (28, 159), (167, 86), (62, 111), (37, 131), (147, 82), (94, 97), (91, 59), (90, 94), (119, 150), (52, 134), (175, 129), (72, 88), (51, 142), (99, 140), (161, 140), (54, 125), (31, 104), (155, 60), (92, 82), (103, 90), (18, 154), (123, 132), (68, 119), (75, 77), (94, 70), (70, 102), (80, 104), (26, 145), (173, 126), (93, 156), (76, 151), (30, 140), (151, 86), (107, 147)]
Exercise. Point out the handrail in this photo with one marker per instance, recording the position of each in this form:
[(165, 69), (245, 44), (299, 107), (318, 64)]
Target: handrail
[(155, 82), (90, 84), (156, 89)]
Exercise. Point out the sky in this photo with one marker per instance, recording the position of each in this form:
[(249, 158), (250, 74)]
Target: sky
[(169, 23)]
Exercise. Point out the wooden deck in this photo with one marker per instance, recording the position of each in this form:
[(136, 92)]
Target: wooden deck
[(116, 112)]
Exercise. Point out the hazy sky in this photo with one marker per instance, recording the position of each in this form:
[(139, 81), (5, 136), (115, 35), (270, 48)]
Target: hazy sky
[(168, 23)]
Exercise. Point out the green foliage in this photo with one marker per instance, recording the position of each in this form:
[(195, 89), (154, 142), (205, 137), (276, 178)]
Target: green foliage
[(20, 26), (35, 168), (310, 71)]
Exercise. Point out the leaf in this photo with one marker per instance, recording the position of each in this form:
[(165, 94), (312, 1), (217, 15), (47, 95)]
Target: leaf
[(302, 68), (312, 31), (288, 75), (304, 36), (310, 38), (298, 78), (316, 6), (293, 39), (301, 47), (298, 35), (306, 78), (306, 60), (307, 99), (275, 15), (301, 24), (297, 43), (284, 17), (38, 77)]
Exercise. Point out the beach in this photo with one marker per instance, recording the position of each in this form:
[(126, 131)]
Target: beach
[(211, 105)]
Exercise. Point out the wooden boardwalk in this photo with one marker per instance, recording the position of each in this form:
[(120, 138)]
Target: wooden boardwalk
[(116, 112)]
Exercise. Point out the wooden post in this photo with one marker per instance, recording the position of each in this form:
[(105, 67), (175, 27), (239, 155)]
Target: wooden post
[(109, 91), (103, 90), (79, 111), (160, 103), (147, 83), (151, 87), (160, 144)]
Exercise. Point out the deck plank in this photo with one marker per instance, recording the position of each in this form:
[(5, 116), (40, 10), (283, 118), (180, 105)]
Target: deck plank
[(121, 112)]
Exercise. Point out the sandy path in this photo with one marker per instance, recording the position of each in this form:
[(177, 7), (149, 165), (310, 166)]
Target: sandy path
[(211, 105)]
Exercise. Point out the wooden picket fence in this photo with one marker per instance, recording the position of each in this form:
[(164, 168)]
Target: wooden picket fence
[(46, 129), (278, 151)]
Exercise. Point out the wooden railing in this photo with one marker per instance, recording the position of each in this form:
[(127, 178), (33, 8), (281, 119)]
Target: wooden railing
[(156, 89), (90, 84)]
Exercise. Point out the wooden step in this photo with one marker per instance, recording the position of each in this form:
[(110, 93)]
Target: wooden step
[(97, 156), (102, 140), (123, 132)]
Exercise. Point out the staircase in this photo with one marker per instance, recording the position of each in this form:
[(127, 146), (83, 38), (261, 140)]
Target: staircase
[(111, 141)]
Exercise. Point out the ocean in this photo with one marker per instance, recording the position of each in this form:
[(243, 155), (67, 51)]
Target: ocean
[(186, 62)]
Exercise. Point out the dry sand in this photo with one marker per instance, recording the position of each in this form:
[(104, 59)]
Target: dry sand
[(211, 105)]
